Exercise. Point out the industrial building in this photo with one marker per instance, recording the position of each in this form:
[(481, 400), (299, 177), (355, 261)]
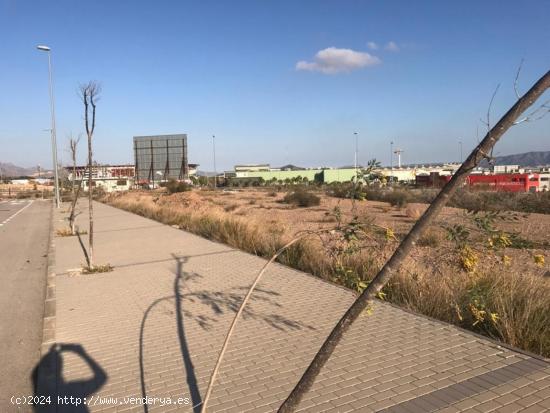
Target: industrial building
[(509, 182), (330, 175), (501, 182), (510, 178), (159, 158)]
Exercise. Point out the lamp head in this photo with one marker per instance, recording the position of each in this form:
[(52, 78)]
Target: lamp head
[(43, 48)]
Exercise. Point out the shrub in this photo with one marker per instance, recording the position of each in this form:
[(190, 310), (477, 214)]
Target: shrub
[(302, 198), (346, 190), (173, 186), (538, 202), (398, 198)]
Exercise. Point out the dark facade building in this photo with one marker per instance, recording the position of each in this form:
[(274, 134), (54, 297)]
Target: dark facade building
[(160, 158)]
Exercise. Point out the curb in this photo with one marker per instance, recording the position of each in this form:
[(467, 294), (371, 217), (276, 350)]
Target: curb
[(46, 380)]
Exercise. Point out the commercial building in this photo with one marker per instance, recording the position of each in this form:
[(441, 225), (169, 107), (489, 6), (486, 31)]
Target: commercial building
[(544, 184), (108, 177), (510, 182), (159, 158), (505, 182)]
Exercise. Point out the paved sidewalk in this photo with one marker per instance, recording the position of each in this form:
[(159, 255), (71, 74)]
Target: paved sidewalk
[(154, 326)]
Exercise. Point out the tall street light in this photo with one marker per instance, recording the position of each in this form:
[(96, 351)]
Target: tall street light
[(214, 157), (460, 145), (53, 134), (356, 151)]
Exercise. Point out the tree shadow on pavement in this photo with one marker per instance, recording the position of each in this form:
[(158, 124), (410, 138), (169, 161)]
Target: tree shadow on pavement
[(218, 303), (47, 378)]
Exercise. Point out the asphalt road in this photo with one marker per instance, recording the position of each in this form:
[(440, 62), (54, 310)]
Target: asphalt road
[(24, 236)]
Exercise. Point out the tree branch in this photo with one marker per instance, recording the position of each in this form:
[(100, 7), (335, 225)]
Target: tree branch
[(393, 264)]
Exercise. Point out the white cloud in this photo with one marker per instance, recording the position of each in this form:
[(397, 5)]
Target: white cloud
[(372, 45), (392, 47), (333, 60)]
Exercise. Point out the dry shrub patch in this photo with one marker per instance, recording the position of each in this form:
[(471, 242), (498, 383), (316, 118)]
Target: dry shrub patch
[(66, 232), (302, 198)]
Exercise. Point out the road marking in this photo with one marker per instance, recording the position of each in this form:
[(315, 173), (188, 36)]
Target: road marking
[(16, 213)]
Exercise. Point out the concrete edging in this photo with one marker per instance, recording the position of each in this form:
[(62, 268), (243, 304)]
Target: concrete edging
[(46, 379)]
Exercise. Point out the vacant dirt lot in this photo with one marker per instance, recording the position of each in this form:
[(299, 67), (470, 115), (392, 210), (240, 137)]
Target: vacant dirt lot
[(265, 208)]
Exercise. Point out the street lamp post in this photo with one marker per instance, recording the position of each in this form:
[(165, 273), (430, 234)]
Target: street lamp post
[(53, 132), (356, 151), (460, 145), (214, 157)]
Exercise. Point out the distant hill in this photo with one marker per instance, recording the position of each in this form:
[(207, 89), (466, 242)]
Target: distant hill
[(11, 170), (523, 159)]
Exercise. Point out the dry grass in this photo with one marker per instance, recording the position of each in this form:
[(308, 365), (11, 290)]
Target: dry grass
[(230, 207), (507, 302), (96, 269), (414, 211), (519, 303), (431, 238), (66, 232)]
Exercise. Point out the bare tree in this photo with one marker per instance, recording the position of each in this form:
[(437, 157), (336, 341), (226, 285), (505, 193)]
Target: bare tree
[(364, 301), (73, 145), (89, 94)]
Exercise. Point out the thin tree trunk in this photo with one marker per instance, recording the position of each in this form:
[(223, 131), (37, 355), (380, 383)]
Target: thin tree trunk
[(90, 205), (73, 144), (392, 266), (72, 217), (90, 93), (74, 170)]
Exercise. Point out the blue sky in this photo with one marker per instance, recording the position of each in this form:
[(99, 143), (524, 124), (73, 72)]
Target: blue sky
[(275, 81)]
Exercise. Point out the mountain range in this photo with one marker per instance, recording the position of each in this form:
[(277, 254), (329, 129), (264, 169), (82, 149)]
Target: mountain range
[(9, 170), (524, 159)]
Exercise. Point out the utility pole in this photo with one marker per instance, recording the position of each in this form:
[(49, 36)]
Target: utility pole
[(391, 162), (460, 145), (398, 152), (214, 157), (53, 131)]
